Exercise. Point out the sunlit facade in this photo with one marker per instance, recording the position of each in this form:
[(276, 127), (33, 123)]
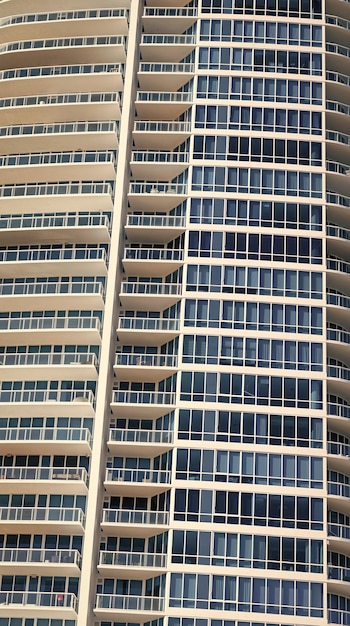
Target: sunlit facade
[(174, 312)]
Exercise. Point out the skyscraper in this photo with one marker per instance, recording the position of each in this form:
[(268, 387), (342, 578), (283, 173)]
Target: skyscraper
[(174, 312)]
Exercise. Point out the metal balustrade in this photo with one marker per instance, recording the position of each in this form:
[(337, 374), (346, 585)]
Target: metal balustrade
[(338, 168), (14, 288), (43, 473), (162, 96), (39, 599), (65, 127), (46, 395), (44, 514), (141, 156), (54, 220), (84, 253), (63, 15), (146, 360), (39, 556), (45, 434), (154, 221), (337, 107), (139, 436), (335, 409), (67, 42), (158, 187), (335, 488), (334, 198), (65, 98), (29, 359), (58, 158), (131, 476), (152, 254), (334, 20), (122, 516), (50, 323), (338, 137), (161, 127), (338, 449), (61, 70), (341, 531), (143, 397), (132, 559), (179, 68), (172, 12), (337, 49), (56, 189), (172, 40), (336, 371), (336, 77), (130, 603), (155, 289), (148, 324), (338, 265), (339, 233), (334, 334)]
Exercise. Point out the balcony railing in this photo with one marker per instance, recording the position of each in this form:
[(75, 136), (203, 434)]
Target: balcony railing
[(178, 12), (61, 70), (46, 434), (50, 323), (146, 360), (334, 20), (336, 231), (52, 129), (68, 42), (37, 556), (338, 265), (143, 397), (29, 514), (57, 158), (44, 473), (148, 324), (154, 289), (171, 68), (56, 220), (141, 518), (160, 127), (334, 198), (338, 410), (31, 598), (63, 15), (70, 98), (139, 436), (341, 531), (84, 253), (152, 254), (338, 168), (335, 572), (338, 300), (45, 289), (142, 156), (338, 137), (162, 96), (172, 40), (155, 188), (338, 489), (333, 334), (336, 49), (133, 559), (339, 449), (336, 371), (23, 395), (336, 77), (337, 107), (130, 603), (138, 476), (55, 189)]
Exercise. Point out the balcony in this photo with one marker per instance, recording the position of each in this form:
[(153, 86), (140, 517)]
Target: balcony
[(155, 331), (49, 197), (338, 308), (164, 76), (338, 457), (160, 135), (162, 166), (131, 565), (153, 229), (60, 330), (337, 115), (144, 367), (156, 196), (143, 404), (166, 48), (47, 403), (171, 20), (338, 416), (28, 296), (338, 57), (40, 440), (155, 105), (62, 480), (146, 443), (50, 260), (338, 579), (45, 520), (53, 108), (136, 609), (338, 342), (151, 262), (338, 495), (149, 296), (137, 483), (53, 166), (26, 229), (36, 605), (124, 523), (42, 562), (338, 274), (338, 241), (339, 538), (337, 86), (33, 366), (338, 377)]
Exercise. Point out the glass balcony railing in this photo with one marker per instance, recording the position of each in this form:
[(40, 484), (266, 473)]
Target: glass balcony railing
[(70, 98), (334, 198), (25, 396), (121, 435), (152, 289), (54, 220), (69, 42), (29, 514), (53, 254), (178, 12), (122, 516), (148, 324), (61, 70), (170, 68), (334, 334), (146, 360), (53, 189), (336, 572), (338, 489), (57, 158), (143, 397), (338, 410), (53, 129), (334, 20), (27, 359), (63, 15), (336, 49), (338, 449), (162, 96), (336, 77), (66, 435), (157, 477), (154, 221), (338, 137), (38, 556), (155, 188), (339, 233), (51, 288), (336, 371), (338, 107), (130, 603), (160, 127), (50, 323), (338, 265), (132, 559), (341, 531), (151, 254), (172, 40), (31, 598), (43, 473), (140, 156), (338, 168)]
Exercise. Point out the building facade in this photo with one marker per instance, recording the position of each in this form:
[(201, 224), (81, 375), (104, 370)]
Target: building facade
[(174, 312)]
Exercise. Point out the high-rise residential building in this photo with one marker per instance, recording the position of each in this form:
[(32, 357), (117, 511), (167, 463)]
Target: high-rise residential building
[(174, 312)]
